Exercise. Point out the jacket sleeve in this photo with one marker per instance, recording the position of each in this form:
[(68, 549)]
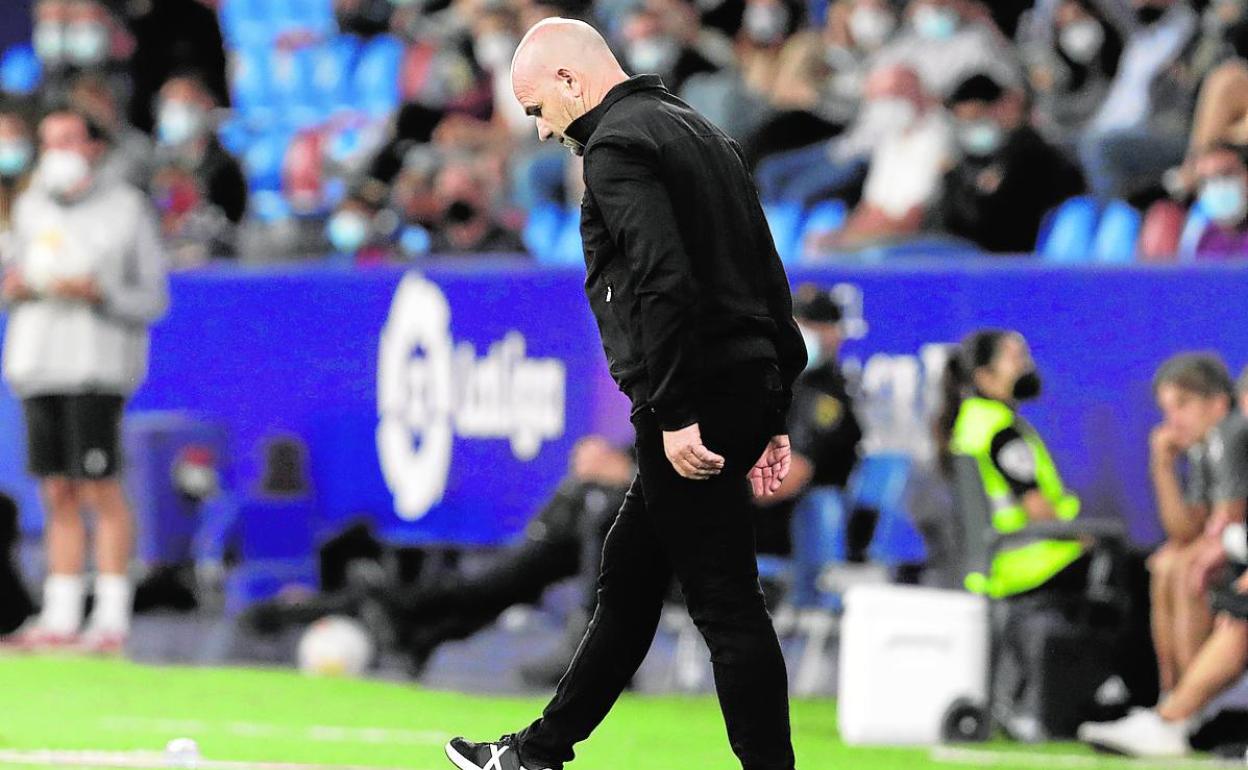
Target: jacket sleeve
[(637, 210), (140, 294)]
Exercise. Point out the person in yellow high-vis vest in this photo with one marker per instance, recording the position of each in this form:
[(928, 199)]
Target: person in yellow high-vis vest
[(988, 376)]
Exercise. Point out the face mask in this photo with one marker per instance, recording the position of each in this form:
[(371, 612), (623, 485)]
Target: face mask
[(888, 114), (1082, 40), (14, 157), (870, 27), (765, 24), (63, 171), (573, 146), (980, 139), (813, 353), (178, 123), (494, 50), (1149, 14), (460, 211), (347, 231), (86, 43), (1028, 386), (49, 40), (653, 54), (1224, 200), (936, 22)]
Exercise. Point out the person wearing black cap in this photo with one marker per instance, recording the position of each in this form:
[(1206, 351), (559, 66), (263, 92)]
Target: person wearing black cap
[(1008, 175), (823, 429)]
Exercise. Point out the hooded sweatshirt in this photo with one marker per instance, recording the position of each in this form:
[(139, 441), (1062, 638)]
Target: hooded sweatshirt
[(55, 346)]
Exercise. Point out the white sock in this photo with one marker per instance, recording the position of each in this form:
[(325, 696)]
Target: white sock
[(113, 603), (62, 604)]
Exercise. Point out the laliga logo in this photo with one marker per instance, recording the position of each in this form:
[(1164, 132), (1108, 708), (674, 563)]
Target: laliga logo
[(430, 389)]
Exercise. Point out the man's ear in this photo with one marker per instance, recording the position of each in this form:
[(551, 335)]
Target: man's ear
[(570, 80)]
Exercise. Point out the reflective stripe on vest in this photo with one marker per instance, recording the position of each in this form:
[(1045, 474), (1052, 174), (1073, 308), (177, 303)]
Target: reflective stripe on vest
[(1029, 566)]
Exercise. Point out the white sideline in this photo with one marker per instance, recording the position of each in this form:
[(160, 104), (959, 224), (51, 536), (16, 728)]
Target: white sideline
[(319, 733), (148, 760), (987, 758)]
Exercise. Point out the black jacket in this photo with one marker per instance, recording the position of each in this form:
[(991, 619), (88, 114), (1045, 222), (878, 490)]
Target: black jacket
[(681, 270)]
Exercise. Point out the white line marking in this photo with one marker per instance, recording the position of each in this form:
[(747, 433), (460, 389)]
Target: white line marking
[(950, 754), (318, 733), (122, 760)]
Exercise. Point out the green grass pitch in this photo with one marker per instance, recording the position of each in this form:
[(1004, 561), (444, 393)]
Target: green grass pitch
[(245, 715)]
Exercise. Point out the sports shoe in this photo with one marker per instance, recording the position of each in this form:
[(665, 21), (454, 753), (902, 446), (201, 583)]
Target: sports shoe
[(1142, 733), (102, 641), (33, 636), (499, 755)]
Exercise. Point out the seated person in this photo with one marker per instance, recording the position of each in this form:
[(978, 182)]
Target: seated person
[(563, 540), (823, 428), (1007, 176), (1197, 399), (904, 177), (1222, 171)]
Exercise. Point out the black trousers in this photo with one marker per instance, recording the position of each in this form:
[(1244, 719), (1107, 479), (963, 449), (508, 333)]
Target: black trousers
[(702, 532)]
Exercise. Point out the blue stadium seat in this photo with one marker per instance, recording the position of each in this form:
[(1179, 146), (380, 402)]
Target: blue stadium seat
[(542, 230), (262, 160), (1117, 234), (330, 67), (822, 218), (785, 221), (245, 23), (568, 250), (20, 71), (1069, 235), (1197, 221), (249, 84), (375, 82), (879, 483)]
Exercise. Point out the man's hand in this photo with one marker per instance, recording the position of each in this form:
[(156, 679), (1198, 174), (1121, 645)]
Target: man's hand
[(772, 467), (81, 289), (1163, 444), (1241, 584), (15, 288), (1208, 557), (690, 458)]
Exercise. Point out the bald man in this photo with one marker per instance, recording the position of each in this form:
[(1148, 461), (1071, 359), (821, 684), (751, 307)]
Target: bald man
[(697, 323)]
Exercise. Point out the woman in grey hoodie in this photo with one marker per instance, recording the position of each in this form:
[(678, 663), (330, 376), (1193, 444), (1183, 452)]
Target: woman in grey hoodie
[(85, 281)]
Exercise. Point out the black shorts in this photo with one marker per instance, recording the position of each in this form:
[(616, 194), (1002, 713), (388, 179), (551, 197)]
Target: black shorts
[(75, 436)]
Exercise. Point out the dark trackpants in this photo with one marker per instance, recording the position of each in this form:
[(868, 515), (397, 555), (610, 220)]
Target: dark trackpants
[(702, 531)]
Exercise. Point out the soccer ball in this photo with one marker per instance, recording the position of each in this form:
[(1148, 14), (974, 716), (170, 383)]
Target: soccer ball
[(335, 646)]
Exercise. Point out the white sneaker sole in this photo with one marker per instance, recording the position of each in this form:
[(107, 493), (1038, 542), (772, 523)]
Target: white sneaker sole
[(459, 760)]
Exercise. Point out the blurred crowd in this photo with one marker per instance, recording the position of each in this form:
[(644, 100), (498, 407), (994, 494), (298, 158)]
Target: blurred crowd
[(954, 124)]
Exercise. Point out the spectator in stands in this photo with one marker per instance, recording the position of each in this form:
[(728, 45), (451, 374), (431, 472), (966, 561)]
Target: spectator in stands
[(1222, 173), (1073, 68), (947, 40), (1007, 177), (75, 36), (17, 152), (651, 48), (836, 168), (130, 158), (905, 174), (173, 36), (1221, 110), (87, 280), (1141, 127), (466, 224), (1197, 398), (823, 427), (202, 193), (358, 230)]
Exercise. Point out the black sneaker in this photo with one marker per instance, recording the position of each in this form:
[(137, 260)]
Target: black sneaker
[(499, 755)]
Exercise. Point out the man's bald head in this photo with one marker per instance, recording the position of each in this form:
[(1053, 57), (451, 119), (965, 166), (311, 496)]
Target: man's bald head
[(562, 69)]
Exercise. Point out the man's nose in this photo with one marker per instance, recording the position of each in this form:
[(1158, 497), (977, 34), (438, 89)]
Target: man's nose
[(544, 130)]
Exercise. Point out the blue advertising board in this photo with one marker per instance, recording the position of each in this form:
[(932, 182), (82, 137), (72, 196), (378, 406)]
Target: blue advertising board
[(442, 403)]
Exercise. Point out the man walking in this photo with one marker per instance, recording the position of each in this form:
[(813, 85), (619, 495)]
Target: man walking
[(87, 279), (697, 323)]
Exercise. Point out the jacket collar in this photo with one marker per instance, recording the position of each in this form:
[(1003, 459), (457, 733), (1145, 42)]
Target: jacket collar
[(581, 129)]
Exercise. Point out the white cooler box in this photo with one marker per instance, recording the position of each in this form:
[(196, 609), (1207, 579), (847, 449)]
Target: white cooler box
[(908, 655)]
